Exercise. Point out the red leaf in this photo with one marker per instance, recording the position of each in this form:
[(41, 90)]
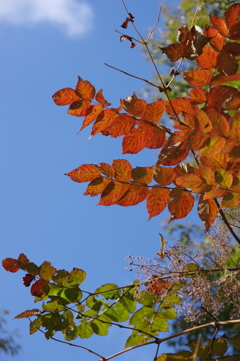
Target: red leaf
[(163, 175), (143, 175), (154, 111), (40, 288), (208, 59), (92, 113), (157, 200), (123, 170), (113, 193), (231, 16), (159, 287), (29, 313), (79, 108), (232, 48), (226, 64), (207, 211), (180, 204), (101, 100), (65, 96), (27, 279), (10, 264), (84, 173), (136, 194), (234, 32), (173, 51), (218, 95), (85, 89), (198, 95), (220, 25), (104, 119), (23, 260), (221, 79), (157, 139), (233, 103), (198, 77), (97, 186), (220, 125)]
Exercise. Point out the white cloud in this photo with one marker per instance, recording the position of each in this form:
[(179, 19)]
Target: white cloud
[(73, 16)]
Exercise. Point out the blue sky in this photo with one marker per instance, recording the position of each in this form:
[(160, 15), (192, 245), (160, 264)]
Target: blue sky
[(45, 45)]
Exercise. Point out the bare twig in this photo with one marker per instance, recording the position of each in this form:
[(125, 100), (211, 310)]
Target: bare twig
[(154, 26)]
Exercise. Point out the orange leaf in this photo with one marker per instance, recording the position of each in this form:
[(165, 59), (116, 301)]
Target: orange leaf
[(172, 153), (79, 108), (143, 175), (123, 170), (157, 139), (198, 77), (28, 313), (214, 193), (23, 259), (214, 146), (220, 125), (135, 106), (154, 111), (221, 79), (10, 264), (207, 211), (181, 105), (198, 95), (234, 132), (220, 25), (215, 162), (159, 287), (113, 193), (101, 100), (136, 194), (121, 125), (223, 178), (97, 186), (107, 169), (92, 113), (194, 182), (104, 119), (227, 64), (163, 175), (180, 204), (157, 200), (84, 173), (137, 139), (216, 41), (65, 96), (231, 199), (208, 59), (85, 89)]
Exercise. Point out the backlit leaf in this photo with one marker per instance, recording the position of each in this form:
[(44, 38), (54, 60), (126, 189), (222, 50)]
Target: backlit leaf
[(198, 95), (227, 64), (40, 288), (23, 260), (113, 193), (221, 79), (79, 108), (97, 186), (180, 105), (180, 203), (220, 25), (101, 100), (85, 330), (157, 200), (65, 96), (218, 95), (164, 175), (76, 276), (85, 89), (198, 77), (194, 182), (121, 125), (135, 106), (223, 178), (47, 271), (218, 346), (29, 313), (143, 175), (10, 264), (141, 315), (100, 328), (84, 173), (207, 211), (208, 59), (123, 170), (104, 119), (136, 194), (231, 199), (137, 139), (108, 290), (231, 16), (92, 114), (154, 111), (172, 153)]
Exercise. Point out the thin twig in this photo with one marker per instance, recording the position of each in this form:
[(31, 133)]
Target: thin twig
[(195, 14), (194, 356), (154, 26)]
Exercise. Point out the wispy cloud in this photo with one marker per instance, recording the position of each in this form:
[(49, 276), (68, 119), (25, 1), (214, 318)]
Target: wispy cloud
[(72, 16)]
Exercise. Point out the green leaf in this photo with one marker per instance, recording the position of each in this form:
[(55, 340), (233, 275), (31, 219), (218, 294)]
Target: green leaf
[(171, 299), (145, 313), (203, 351), (71, 294), (47, 271), (117, 313), (235, 341), (53, 306), (128, 302), (160, 324), (148, 299), (71, 333), (90, 313), (191, 267), (54, 290), (32, 268), (135, 339), (35, 325), (167, 313), (100, 328), (93, 303), (218, 346), (85, 330), (53, 322), (76, 276), (68, 316), (106, 293), (61, 278)]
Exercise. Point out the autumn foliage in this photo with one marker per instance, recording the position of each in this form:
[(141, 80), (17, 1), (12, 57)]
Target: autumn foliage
[(205, 125)]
